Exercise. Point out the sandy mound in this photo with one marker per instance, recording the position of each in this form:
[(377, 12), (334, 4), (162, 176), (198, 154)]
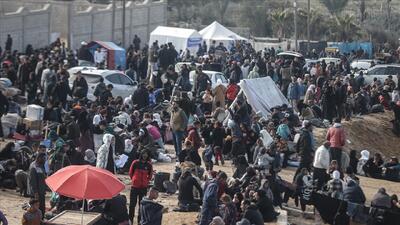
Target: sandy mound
[(372, 132)]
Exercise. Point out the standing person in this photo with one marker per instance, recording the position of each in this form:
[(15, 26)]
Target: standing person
[(178, 124), (321, 164), (151, 211), (336, 136), (99, 57), (23, 73), (99, 89), (106, 154), (231, 92), (219, 94), (304, 146), (140, 172), (80, 86), (37, 185), (136, 43), (293, 93), (9, 43), (32, 216), (209, 208), (4, 105)]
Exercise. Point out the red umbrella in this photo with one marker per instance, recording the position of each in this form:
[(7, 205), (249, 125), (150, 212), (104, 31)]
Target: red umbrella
[(85, 182)]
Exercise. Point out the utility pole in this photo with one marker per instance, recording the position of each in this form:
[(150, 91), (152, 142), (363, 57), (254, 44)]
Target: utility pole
[(113, 21), (295, 24), (123, 23), (308, 25), (388, 15)]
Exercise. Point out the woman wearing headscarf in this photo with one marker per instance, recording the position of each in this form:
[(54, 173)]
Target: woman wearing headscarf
[(219, 94), (361, 162), (90, 157), (310, 94), (106, 154)]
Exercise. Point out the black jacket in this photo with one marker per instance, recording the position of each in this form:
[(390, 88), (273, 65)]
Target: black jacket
[(185, 186), (353, 193), (141, 98), (304, 145), (115, 209), (266, 208), (253, 215)]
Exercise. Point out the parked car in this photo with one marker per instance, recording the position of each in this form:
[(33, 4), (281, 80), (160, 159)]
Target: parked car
[(362, 64), (178, 66), (329, 60), (382, 72), (122, 85), (214, 76), (289, 55)]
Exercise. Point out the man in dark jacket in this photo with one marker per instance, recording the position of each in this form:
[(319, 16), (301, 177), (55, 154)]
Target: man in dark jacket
[(9, 43), (37, 185), (100, 88), (115, 211), (209, 209), (353, 193), (186, 184), (202, 81), (251, 213), (80, 86), (304, 146), (140, 97), (265, 206), (151, 211), (107, 95), (84, 53), (140, 173)]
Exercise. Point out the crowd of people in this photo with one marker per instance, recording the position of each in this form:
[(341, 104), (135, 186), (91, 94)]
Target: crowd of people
[(207, 126)]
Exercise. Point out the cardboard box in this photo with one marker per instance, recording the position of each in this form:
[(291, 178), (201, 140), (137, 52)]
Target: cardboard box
[(34, 112), (33, 124)]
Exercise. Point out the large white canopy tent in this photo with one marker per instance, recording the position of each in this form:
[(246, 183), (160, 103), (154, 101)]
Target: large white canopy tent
[(181, 38), (217, 32)]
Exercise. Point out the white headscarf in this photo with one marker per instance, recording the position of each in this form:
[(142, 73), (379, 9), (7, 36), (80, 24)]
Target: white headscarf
[(364, 155), (157, 118), (336, 174)]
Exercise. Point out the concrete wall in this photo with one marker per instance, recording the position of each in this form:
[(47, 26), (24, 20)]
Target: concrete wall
[(26, 27), (34, 23), (95, 23)]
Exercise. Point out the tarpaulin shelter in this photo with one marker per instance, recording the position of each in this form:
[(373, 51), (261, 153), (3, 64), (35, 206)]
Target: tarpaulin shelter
[(347, 47), (181, 38), (262, 94), (115, 57), (217, 32)]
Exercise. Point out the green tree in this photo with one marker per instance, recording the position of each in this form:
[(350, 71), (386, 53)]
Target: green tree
[(279, 19), (335, 7), (318, 24), (344, 28)]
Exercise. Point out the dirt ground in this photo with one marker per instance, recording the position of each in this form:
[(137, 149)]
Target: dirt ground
[(371, 132), (11, 202)]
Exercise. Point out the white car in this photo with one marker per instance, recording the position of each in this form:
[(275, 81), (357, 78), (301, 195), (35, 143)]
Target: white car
[(329, 60), (362, 64), (214, 76), (382, 72), (122, 85)]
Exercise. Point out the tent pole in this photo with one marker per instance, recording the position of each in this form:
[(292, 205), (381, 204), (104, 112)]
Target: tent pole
[(83, 210)]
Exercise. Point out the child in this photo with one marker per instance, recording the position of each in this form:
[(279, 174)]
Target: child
[(217, 137), (207, 102)]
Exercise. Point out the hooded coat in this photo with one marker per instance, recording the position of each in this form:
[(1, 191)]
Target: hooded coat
[(103, 153), (254, 73), (150, 212), (353, 193), (219, 94)]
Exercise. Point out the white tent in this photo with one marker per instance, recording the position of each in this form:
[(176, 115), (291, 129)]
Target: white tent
[(181, 38), (219, 33), (262, 94)]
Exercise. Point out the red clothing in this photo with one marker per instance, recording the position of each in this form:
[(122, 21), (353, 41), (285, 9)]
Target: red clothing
[(153, 131), (194, 137), (140, 173), (336, 136), (232, 91)]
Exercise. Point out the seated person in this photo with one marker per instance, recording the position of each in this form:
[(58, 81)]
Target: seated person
[(335, 186), (115, 212), (265, 206), (186, 199), (391, 169), (373, 167)]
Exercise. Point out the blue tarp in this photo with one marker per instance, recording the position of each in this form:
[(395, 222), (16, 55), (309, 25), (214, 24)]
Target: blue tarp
[(347, 47)]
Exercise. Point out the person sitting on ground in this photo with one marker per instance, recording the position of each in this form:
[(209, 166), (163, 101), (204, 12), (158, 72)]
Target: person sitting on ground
[(252, 213), (335, 186), (353, 193), (115, 212), (228, 210), (373, 167), (362, 161), (151, 211), (265, 206), (187, 202), (381, 199), (391, 169), (32, 216)]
